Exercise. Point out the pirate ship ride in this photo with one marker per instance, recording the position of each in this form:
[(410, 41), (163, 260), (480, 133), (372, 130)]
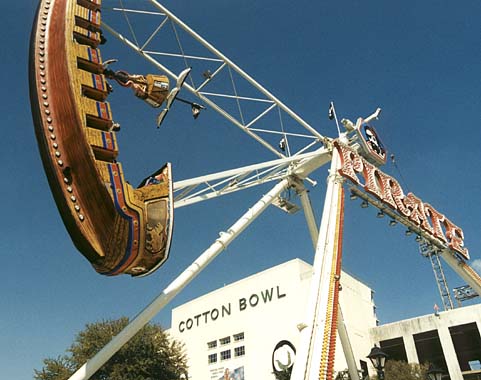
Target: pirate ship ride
[(118, 228)]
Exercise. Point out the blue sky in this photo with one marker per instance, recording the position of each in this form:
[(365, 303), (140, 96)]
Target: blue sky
[(418, 61)]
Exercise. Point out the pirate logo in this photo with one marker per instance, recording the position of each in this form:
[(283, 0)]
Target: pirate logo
[(373, 142)]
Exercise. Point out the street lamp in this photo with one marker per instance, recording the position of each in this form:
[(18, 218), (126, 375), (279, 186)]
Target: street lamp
[(378, 359), (434, 373)]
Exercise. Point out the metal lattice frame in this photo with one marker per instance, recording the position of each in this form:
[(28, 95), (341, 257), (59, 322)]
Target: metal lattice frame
[(427, 250), (213, 88), (263, 117), (464, 293), (206, 187)]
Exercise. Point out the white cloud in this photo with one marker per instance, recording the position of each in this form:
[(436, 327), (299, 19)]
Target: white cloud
[(476, 264)]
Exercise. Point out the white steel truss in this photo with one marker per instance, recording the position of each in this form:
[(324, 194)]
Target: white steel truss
[(206, 187), (215, 80), (224, 88)]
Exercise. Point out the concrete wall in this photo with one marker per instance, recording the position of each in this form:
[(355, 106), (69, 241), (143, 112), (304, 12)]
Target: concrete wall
[(409, 327), (267, 307)]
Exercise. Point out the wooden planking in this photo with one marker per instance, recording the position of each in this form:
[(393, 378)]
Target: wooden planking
[(91, 94), (104, 144), (93, 85), (90, 4), (97, 114), (103, 168), (86, 37), (118, 228), (87, 18), (88, 58), (80, 195)]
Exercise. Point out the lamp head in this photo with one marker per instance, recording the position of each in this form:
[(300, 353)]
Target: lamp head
[(377, 357)]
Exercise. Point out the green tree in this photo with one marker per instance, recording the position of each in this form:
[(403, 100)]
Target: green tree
[(150, 354), (400, 370)]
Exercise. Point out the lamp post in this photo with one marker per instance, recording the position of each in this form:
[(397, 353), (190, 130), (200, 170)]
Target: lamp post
[(378, 360), (434, 373)]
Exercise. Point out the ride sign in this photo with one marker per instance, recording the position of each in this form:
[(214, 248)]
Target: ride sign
[(386, 189)]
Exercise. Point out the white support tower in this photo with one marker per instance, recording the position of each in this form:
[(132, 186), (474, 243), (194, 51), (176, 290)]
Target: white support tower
[(315, 357), (353, 371)]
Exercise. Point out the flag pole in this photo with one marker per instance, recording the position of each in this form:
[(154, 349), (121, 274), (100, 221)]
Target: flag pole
[(332, 115)]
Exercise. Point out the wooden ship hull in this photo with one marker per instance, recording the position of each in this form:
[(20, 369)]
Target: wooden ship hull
[(118, 228)]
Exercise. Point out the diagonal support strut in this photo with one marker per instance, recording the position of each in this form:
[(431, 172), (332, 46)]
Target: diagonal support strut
[(220, 244)]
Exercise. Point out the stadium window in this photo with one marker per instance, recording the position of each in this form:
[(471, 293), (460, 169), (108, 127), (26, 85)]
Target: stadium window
[(238, 337), (212, 344), (224, 341), (225, 355), (239, 351), (212, 358)]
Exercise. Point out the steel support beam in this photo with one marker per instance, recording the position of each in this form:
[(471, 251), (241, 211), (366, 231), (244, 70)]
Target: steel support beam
[(242, 73), (346, 347), (467, 273), (341, 327), (225, 238)]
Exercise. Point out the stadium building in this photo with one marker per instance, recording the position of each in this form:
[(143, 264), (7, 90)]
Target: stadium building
[(232, 332)]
